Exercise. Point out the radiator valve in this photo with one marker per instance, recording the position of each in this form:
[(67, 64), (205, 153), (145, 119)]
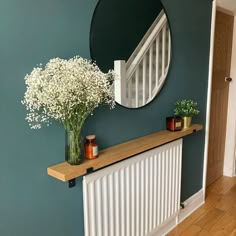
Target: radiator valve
[(183, 205)]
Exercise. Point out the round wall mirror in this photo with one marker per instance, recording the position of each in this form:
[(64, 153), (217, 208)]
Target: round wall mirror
[(133, 38)]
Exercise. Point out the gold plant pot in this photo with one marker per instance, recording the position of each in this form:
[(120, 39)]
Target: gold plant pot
[(187, 120)]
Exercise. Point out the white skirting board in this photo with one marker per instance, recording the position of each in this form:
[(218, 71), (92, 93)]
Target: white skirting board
[(191, 204), (166, 228)]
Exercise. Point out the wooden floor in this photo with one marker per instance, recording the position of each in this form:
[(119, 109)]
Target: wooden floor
[(217, 217)]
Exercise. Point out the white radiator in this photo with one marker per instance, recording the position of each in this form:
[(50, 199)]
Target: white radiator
[(134, 197)]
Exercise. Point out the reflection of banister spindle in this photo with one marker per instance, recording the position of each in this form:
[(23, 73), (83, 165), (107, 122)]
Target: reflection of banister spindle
[(137, 87), (144, 79), (157, 60), (120, 82), (150, 70)]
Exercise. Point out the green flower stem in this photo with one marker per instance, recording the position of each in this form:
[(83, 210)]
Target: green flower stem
[(74, 148), (74, 126)]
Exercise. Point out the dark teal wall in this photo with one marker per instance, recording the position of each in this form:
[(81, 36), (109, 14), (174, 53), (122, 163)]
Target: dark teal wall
[(31, 32)]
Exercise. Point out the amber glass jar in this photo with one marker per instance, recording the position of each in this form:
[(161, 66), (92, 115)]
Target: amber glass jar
[(91, 147)]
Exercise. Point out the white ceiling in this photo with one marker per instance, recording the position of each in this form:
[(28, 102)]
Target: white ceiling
[(227, 4)]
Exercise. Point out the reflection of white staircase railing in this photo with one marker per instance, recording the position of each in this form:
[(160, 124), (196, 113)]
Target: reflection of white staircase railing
[(142, 76)]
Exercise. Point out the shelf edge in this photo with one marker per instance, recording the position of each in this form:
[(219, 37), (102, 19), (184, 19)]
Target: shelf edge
[(65, 172)]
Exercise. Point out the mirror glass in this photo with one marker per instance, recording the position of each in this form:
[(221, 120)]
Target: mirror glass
[(133, 37)]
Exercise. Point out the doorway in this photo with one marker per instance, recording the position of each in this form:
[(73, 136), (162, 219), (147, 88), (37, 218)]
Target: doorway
[(219, 96)]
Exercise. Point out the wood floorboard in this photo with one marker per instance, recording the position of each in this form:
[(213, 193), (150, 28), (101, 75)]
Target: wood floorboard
[(217, 217)]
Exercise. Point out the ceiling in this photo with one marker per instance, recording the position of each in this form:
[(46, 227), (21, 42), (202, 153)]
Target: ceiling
[(227, 4)]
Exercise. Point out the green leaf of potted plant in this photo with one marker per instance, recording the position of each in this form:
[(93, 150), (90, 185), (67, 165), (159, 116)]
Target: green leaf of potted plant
[(186, 109)]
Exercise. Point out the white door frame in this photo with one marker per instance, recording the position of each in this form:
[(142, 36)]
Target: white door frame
[(230, 142), (213, 16), (232, 160)]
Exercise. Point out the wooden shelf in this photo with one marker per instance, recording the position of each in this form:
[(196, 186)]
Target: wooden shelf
[(65, 172)]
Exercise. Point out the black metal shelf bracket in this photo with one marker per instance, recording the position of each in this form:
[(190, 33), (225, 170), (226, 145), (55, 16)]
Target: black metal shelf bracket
[(90, 170), (72, 183)]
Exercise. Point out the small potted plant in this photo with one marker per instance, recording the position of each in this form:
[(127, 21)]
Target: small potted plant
[(186, 109)]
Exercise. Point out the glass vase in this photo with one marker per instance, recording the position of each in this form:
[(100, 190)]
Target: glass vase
[(74, 148)]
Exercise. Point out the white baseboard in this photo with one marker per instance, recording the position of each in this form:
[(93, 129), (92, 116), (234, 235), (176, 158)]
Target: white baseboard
[(165, 228), (191, 204), (228, 172)]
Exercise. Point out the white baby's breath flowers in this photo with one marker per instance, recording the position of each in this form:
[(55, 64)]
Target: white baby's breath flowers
[(66, 91)]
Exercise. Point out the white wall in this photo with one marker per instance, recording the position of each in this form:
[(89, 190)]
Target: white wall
[(229, 168)]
